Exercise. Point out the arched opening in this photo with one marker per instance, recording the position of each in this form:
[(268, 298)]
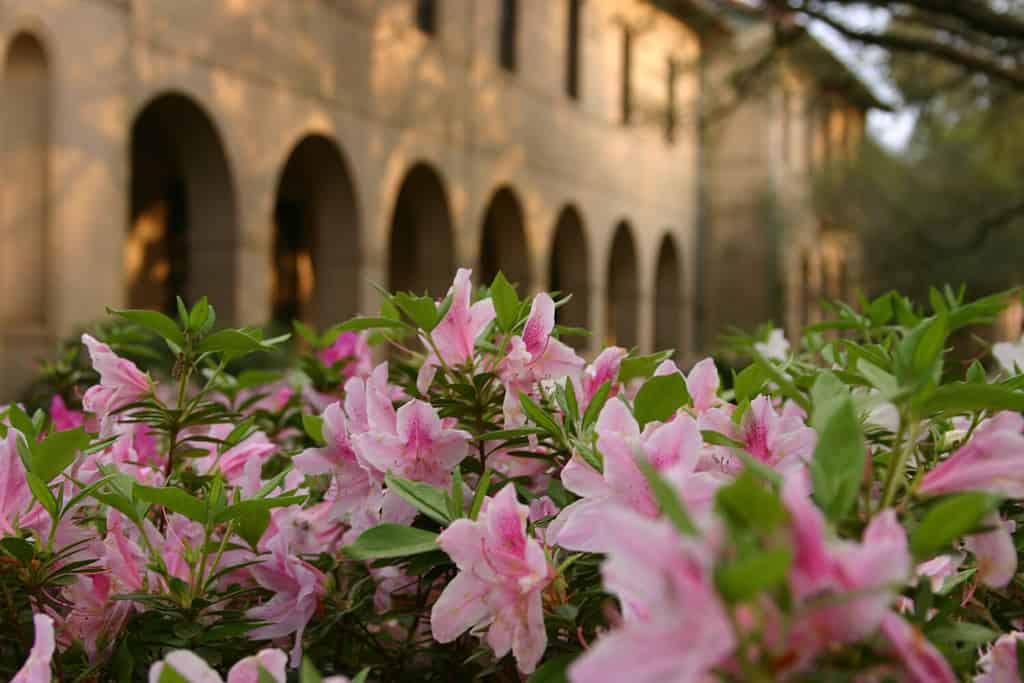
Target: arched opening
[(316, 237), (183, 221), (503, 246), (668, 299), (622, 292), (25, 126), (422, 248), (570, 273)]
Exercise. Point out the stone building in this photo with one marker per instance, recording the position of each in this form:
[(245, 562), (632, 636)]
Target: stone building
[(282, 155)]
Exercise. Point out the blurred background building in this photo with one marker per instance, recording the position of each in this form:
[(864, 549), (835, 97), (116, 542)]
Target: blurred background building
[(280, 156)]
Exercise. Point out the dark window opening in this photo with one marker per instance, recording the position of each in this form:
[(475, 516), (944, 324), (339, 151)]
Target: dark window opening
[(426, 16), (627, 76), (572, 62), (508, 33), (671, 111)]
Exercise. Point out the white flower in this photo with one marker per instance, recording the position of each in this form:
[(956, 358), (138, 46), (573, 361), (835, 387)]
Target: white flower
[(1010, 355), (777, 346)]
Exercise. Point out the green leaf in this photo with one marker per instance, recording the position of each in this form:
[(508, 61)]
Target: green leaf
[(251, 506), (478, 496), (718, 439), (170, 675), (361, 676), (252, 526), (948, 520), (155, 321), (18, 548), (659, 398), (554, 670), (755, 573), (22, 422), (266, 677), (919, 355), (313, 425), (596, 404), (456, 502), (641, 366), (748, 504), (749, 381), (308, 672), (837, 468), (879, 378), (42, 493), (428, 499), (174, 499), (506, 303), (391, 540), (231, 343), (307, 333), (538, 415), (420, 309), (961, 397), (197, 317), (360, 323), (963, 633), (56, 452), (665, 496)]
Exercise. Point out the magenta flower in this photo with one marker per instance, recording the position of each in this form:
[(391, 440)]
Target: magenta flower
[(780, 440), (675, 629), (37, 667), (605, 368), (994, 552), (999, 664), (63, 417), (352, 348), (672, 448), (921, 660), (121, 382), (420, 448), (15, 495), (502, 573), (535, 355), (455, 336), (297, 587), (993, 461)]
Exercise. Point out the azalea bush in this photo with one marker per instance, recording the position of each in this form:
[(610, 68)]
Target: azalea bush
[(486, 504)]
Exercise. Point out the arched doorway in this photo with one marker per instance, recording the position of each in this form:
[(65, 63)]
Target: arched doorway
[(422, 249), (316, 237), (570, 273), (668, 299), (25, 126), (503, 245), (621, 290), (183, 222)]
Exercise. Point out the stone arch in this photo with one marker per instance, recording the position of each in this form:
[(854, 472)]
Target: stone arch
[(503, 243), (570, 272), (316, 262), (422, 247), (668, 298), (24, 201), (183, 223), (622, 291)]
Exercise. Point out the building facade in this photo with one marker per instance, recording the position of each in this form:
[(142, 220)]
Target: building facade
[(283, 156)]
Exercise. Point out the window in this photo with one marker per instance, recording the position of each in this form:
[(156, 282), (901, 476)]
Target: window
[(508, 25), (627, 76), (426, 16), (572, 62), (671, 112)]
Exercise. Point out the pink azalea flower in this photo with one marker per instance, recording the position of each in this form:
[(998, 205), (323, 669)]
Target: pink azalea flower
[(535, 355), (702, 385), (675, 629), (938, 569), (297, 586), (189, 665), (37, 667), (921, 660), (420, 448), (15, 495), (782, 441), (63, 417), (232, 462), (994, 552), (353, 349), (502, 573), (455, 336), (999, 664), (776, 347), (671, 448), (876, 567), (605, 368), (121, 382), (990, 461), (94, 615), (247, 670)]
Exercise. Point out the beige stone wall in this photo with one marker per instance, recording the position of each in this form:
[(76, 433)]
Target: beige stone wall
[(268, 73)]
